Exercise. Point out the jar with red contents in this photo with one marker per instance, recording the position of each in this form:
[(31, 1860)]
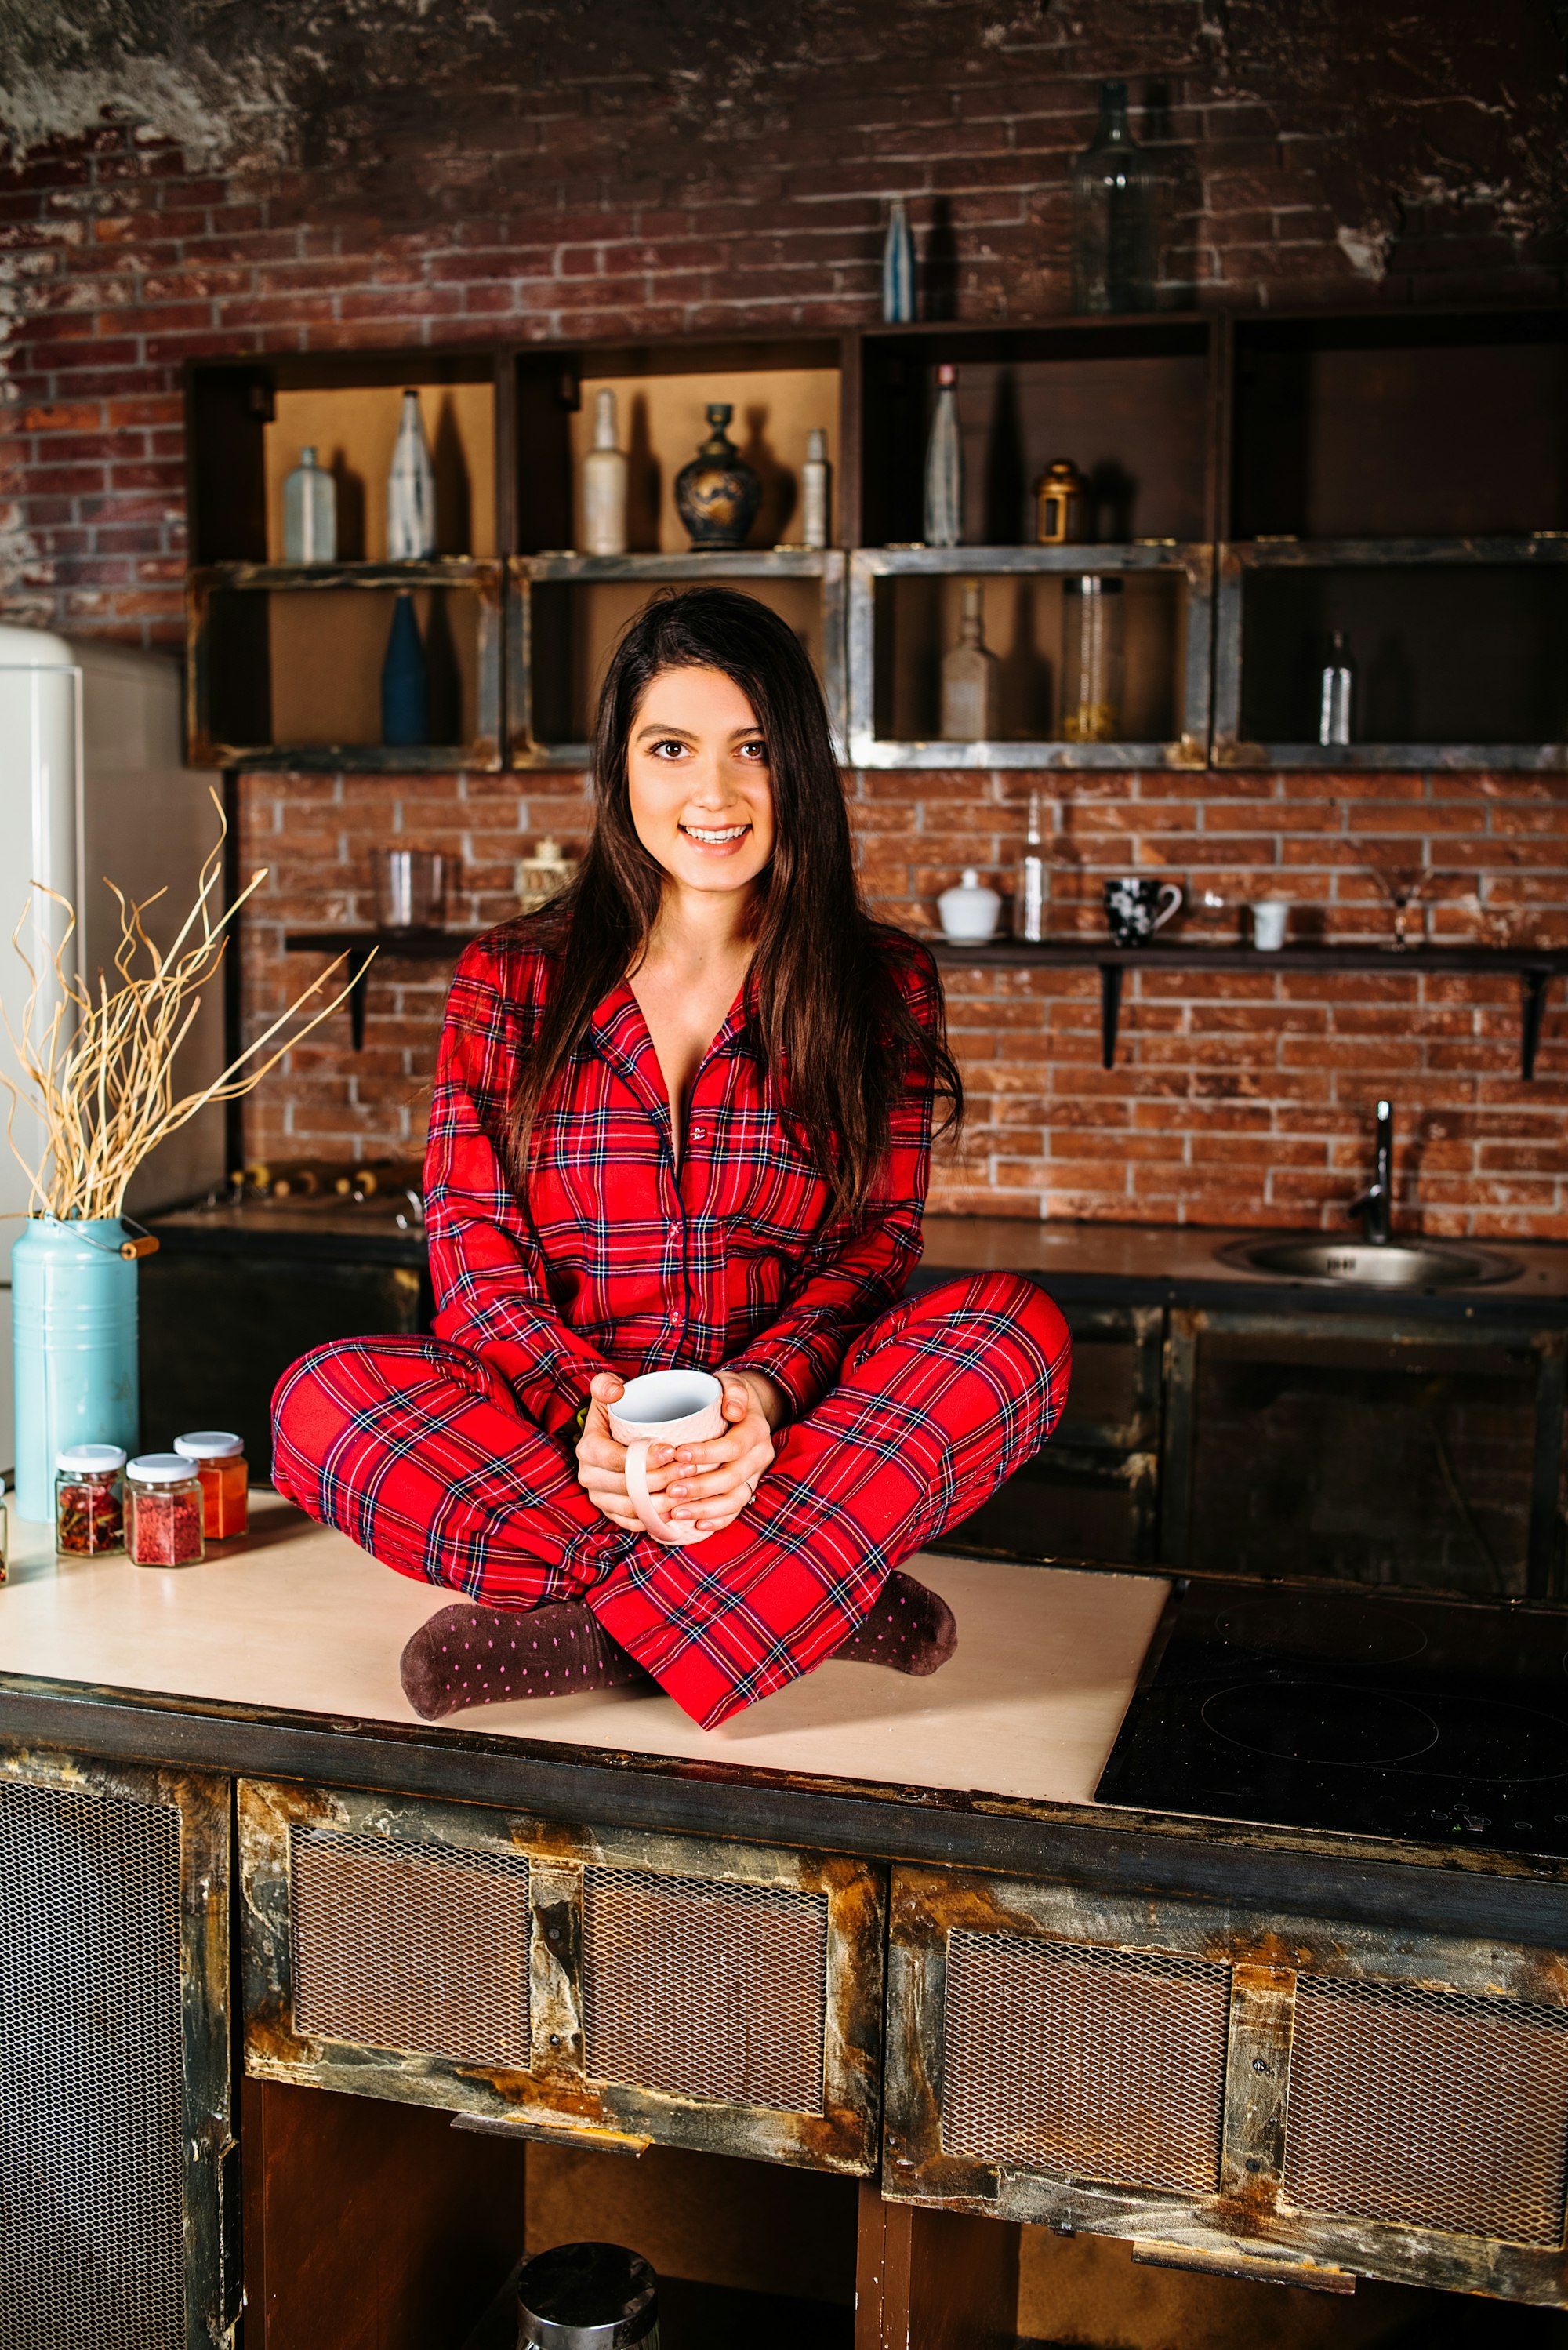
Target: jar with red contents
[(220, 1461), (163, 1511), (89, 1508)]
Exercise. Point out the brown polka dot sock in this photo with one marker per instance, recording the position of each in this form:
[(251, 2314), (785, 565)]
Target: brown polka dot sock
[(910, 1630), (480, 1656)]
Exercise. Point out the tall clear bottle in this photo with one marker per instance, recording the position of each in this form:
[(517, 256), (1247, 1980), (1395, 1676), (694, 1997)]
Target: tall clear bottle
[(970, 676), (310, 513), (1029, 895), (816, 491), (1114, 191), (604, 483), (899, 268), (944, 466), (1333, 695), (410, 490)]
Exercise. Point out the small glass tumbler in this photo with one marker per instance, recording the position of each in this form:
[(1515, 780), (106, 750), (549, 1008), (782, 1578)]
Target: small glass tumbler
[(409, 883)]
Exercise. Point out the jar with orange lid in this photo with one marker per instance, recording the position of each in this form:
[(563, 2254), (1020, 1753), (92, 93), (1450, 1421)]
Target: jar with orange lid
[(219, 1459)]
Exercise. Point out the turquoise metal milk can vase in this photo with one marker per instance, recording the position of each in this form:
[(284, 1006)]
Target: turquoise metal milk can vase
[(73, 1303)]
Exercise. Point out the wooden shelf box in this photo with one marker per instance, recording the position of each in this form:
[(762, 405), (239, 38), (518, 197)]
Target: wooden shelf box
[(903, 615)]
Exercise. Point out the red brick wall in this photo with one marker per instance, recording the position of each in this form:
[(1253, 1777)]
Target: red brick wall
[(569, 187)]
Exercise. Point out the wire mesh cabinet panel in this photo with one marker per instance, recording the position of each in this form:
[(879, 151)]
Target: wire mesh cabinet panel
[(602, 1985), (1268, 2096), (117, 2195)]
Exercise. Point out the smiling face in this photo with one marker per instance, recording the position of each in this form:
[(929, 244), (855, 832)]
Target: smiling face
[(701, 793)]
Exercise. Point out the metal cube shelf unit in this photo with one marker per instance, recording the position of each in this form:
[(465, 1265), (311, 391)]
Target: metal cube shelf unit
[(1239, 562), (483, 579), (725, 567), (1195, 564)]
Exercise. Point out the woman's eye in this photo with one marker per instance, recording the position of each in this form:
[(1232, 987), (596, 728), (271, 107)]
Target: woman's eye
[(675, 749), (757, 753)]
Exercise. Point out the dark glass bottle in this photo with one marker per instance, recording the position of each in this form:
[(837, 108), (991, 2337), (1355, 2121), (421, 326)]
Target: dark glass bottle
[(405, 679), (1113, 214)]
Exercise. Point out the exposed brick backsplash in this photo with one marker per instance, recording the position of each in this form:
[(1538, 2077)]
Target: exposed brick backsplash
[(626, 197), (1239, 1100)]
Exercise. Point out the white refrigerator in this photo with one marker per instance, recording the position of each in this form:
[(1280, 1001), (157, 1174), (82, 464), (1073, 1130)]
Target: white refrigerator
[(92, 783)]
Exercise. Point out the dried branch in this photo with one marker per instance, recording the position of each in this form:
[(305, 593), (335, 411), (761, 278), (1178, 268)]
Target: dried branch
[(100, 1073)]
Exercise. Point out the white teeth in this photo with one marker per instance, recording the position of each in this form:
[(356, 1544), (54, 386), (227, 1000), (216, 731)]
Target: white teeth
[(716, 839)]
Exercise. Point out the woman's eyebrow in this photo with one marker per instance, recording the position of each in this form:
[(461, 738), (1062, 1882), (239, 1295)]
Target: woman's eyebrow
[(654, 726)]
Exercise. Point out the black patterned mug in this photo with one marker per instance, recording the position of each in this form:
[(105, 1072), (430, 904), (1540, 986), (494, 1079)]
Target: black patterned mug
[(1136, 907)]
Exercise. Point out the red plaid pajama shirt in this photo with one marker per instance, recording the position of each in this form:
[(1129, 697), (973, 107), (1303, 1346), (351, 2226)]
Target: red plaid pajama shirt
[(452, 1457)]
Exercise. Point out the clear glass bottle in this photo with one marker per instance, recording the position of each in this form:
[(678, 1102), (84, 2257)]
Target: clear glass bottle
[(816, 491), (163, 1511), (1333, 697), (1114, 191), (897, 268), (1093, 658), (410, 490), (310, 513), (1029, 895), (944, 466), (970, 676), (220, 1462), (605, 483), (89, 1500)]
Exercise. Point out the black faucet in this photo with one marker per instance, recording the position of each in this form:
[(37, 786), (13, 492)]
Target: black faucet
[(1375, 1205)]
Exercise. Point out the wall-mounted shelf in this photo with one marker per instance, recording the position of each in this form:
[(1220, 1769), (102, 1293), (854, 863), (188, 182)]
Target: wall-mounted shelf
[(363, 946), (1536, 967), (1259, 480), (1461, 649), (569, 610), (284, 664), (903, 615)]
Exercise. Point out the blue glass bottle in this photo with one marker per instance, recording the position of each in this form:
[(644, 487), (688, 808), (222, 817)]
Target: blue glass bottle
[(405, 679)]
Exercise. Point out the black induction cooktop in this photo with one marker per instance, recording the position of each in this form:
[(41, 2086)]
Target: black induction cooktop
[(1379, 1713)]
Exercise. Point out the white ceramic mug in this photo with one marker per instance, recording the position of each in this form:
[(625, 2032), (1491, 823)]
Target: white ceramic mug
[(1269, 918), (665, 1408)]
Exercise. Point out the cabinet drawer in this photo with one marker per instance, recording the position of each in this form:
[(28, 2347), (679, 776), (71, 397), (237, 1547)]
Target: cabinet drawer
[(1225, 2087), (601, 1984)]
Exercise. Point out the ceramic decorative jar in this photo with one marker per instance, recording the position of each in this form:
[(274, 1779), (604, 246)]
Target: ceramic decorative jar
[(969, 912), (718, 493)]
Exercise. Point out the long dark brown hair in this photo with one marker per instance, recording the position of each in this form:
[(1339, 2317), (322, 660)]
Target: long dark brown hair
[(824, 1011)]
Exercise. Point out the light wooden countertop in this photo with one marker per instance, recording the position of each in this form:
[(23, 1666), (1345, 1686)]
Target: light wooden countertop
[(300, 1620)]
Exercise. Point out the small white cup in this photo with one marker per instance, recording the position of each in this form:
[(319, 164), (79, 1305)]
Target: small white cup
[(1270, 916), (665, 1408)]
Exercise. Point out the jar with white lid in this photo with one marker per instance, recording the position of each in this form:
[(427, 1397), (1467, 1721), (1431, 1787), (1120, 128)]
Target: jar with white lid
[(89, 1500), (218, 1458), (163, 1511)]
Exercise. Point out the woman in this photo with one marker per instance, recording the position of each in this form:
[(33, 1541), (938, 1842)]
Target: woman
[(683, 1116)]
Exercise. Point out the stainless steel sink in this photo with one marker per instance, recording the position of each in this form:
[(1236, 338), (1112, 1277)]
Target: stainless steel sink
[(1365, 1264)]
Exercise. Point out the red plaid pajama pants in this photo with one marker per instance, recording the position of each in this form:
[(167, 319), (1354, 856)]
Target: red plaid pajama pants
[(417, 1449)]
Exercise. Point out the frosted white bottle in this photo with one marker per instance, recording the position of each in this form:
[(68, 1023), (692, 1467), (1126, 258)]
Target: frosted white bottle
[(410, 490), (310, 513), (1029, 897), (603, 484), (816, 490)]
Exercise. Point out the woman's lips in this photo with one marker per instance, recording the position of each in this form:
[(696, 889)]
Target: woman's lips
[(732, 838)]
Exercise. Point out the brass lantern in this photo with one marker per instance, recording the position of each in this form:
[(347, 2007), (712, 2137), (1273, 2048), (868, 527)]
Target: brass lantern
[(1061, 506)]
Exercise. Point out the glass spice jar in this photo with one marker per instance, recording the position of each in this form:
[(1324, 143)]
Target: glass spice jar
[(219, 1461), (163, 1511), (89, 1500)]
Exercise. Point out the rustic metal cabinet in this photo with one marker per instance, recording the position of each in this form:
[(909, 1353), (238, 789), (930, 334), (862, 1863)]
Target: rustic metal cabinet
[(118, 2214), (600, 1984), (1262, 2093)]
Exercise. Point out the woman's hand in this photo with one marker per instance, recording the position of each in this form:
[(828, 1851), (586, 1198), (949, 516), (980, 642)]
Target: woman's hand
[(601, 1462), (710, 1484), (705, 1485)]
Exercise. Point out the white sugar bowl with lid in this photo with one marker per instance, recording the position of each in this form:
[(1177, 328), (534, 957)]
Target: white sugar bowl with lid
[(970, 912)]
